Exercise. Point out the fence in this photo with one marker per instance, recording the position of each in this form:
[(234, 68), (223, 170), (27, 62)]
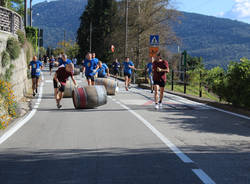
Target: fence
[(186, 80), (10, 21)]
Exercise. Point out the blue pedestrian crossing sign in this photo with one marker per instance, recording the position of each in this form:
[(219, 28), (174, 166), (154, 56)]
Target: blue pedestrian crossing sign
[(154, 40)]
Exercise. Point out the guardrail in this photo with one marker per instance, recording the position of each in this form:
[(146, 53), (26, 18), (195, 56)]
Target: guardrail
[(10, 21)]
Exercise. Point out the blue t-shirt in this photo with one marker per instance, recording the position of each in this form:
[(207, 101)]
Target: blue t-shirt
[(126, 65), (61, 62), (89, 67), (52, 61), (95, 60), (102, 71), (149, 67), (35, 68)]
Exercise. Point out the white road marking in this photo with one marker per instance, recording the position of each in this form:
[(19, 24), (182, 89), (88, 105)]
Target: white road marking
[(228, 112), (134, 101), (25, 119), (167, 142), (48, 81), (200, 173), (203, 176), (201, 105)]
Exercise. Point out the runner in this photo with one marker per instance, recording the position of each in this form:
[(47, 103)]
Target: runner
[(45, 60), (88, 68), (150, 76), (103, 70), (160, 68), (127, 67), (74, 61), (60, 78), (95, 60), (35, 66), (63, 61), (51, 64), (116, 67)]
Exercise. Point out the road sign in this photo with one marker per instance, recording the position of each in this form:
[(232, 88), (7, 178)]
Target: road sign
[(154, 40), (153, 51)]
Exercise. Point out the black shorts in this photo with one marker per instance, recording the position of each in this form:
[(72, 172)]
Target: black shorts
[(35, 77), (90, 77), (116, 71), (51, 66), (127, 74), (62, 88), (160, 83)]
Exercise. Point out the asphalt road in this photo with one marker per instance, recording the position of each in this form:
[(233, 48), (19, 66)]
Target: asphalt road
[(126, 141)]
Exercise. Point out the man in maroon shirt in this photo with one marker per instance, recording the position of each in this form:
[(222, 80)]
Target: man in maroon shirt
[(60, 79), (160, 68)]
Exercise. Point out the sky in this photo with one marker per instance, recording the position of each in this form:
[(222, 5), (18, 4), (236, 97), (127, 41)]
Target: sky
[(233, 9)]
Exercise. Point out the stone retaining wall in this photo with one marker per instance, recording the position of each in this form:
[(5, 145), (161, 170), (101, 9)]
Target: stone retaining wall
[(19, 80)]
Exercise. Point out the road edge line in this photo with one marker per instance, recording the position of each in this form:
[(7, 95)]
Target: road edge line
[(25, 119)]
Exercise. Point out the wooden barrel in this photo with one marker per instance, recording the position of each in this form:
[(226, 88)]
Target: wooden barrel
[(89, 97), (68, 89), (110, 85), (76, 71)]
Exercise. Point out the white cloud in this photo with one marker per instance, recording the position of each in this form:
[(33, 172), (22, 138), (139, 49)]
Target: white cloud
[(240, 11), (220, 14)]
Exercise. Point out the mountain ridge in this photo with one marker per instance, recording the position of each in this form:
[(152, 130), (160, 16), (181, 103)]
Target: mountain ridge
[(217, 40)]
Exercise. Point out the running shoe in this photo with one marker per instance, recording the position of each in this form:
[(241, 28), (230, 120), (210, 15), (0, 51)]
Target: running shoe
[(156, 106), (59, 106)]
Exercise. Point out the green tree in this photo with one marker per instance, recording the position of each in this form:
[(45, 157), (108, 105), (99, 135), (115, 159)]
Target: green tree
[(194, 62), (15, 5), (70, 48), (101, 14), (237, 84), (214, 80), (145, 17)]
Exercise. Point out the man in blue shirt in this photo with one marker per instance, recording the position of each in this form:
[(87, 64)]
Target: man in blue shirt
[(103, 70), (63, 61), (127, 67), (36, 66), (150, 75), (95, 60), (89, 69)]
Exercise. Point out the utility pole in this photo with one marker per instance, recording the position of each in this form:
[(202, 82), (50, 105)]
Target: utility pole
[(138, 36), (64, 39), (30, 12), (90, 36), (25, 13), (126, 29)]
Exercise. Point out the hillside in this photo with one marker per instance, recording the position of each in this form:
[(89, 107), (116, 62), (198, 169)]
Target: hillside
[(55, 17), (217, 40)]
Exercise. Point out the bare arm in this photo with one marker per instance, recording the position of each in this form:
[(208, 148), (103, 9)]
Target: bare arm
[(108, 71), (73, 79), (162, 70)]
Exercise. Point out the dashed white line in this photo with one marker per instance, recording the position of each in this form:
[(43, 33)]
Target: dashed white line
[(200, 173), (203, 176)]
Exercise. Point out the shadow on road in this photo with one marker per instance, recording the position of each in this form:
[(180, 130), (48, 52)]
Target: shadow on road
[(92, 166)]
